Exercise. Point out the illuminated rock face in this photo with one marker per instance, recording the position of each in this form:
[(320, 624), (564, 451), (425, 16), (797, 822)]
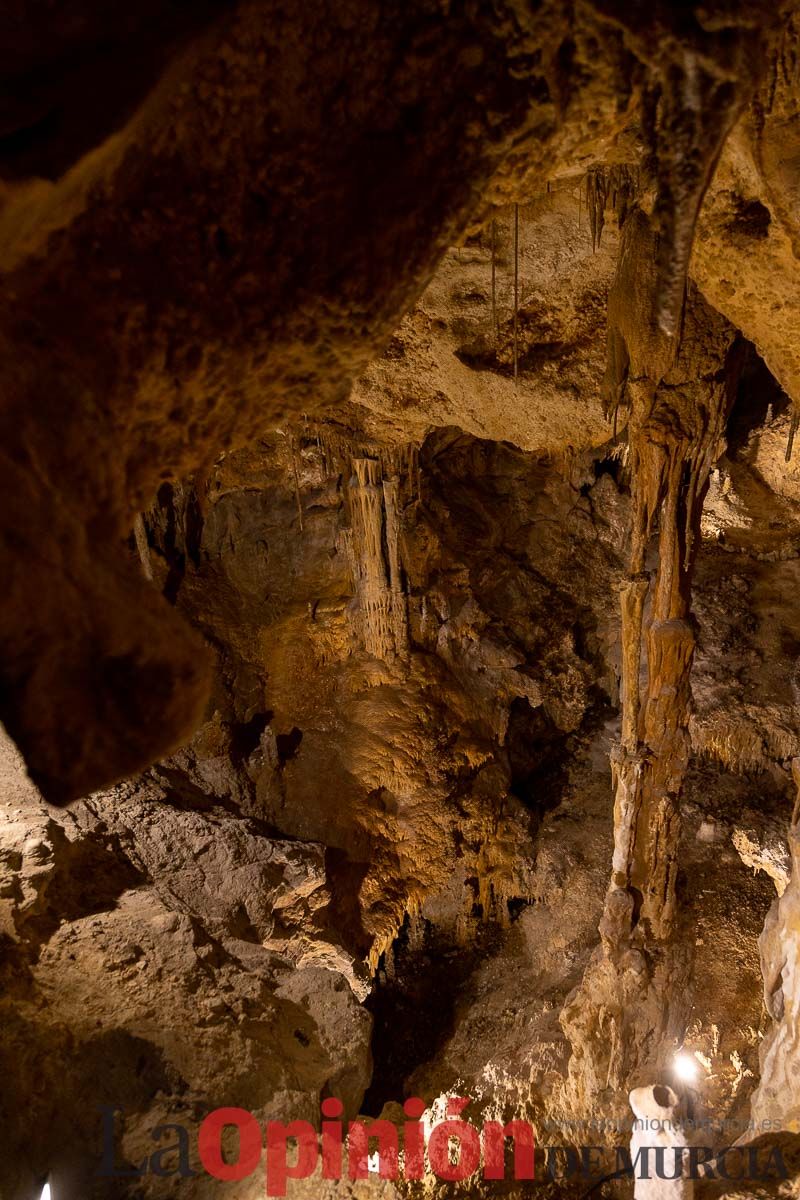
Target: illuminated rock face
[(383, 499)]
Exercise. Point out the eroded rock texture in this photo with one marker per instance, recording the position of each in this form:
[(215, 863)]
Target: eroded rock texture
[(398, 407), (238, 249)]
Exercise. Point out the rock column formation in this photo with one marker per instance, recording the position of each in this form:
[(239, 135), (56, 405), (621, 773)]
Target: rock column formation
[(628, 1012), (676, 436)]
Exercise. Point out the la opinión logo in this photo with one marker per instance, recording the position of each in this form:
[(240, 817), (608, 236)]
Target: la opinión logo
[(452, 1149)]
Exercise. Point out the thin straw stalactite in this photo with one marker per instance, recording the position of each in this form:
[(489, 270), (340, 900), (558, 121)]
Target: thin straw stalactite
[(296, 482), (143, 547), (516, 292), (494, 282), (792, 432)]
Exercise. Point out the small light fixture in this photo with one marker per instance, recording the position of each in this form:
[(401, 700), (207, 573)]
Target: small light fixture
[(46, 1193), (685, 1067)]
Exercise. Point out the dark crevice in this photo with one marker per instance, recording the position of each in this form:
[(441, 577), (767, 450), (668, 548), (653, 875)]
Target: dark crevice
[(757, 392), (246, 736), (413, 1004), (288, 744), (537, 755)]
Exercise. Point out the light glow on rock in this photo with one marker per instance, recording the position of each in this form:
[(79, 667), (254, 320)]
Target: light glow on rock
[(685, 1067)]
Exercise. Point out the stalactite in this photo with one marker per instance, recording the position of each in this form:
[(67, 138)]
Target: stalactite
[(380, 483), (382, 603), (366, 498), (792, 431), (742, 747), (516, 291), (596, 193), (293, 453), (690, 108), (494, 281), (398, 600), (402, 464), (417, 475), (403, 907), (612, 188), (344, 543), (339, 445), (143, 547)]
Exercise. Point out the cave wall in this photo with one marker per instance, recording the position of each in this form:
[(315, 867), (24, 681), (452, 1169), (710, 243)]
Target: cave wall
[(350, 841)]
